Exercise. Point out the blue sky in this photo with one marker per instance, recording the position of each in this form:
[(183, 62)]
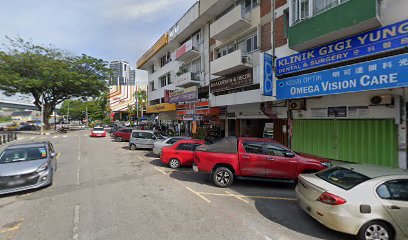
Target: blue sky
[(107, 29)]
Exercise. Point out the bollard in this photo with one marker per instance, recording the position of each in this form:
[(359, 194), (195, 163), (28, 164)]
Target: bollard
[(1, 139), (15, 136), (8, 137), (4, 138)]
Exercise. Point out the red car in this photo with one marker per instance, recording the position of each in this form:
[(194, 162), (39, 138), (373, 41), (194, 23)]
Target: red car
[(253, 158), (122, 134), (98, 132), (180, 154)]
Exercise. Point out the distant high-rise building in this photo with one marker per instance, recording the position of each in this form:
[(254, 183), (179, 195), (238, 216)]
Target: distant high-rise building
[(120, 72), (132, 77)]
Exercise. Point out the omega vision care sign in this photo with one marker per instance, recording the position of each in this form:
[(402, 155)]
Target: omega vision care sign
[(384, 73), (267, 74)]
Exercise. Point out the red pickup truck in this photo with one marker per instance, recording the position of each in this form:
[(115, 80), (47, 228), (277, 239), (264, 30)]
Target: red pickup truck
[(253, 158)]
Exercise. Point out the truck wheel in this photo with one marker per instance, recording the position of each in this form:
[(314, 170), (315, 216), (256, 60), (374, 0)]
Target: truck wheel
[(118, 139), (375, 230), (174, 163), (222, 177)]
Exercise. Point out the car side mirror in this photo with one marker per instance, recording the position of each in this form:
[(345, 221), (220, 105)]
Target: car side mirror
[(289, 154), (53, 154)]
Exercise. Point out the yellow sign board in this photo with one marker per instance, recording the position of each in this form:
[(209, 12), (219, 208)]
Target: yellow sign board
[(153, 50), (163, 107)]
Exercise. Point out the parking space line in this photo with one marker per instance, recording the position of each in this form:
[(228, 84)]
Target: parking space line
[(13, 228), (247, 196), (75, 229), (237, 197), (198, 194), (158, 169), (140, 157)]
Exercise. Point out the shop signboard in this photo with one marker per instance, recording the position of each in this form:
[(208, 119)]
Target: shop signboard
[(183, 95), (385, 73), (163, 107), (376, 41), (268, 74), (233, 81), (161, 43)]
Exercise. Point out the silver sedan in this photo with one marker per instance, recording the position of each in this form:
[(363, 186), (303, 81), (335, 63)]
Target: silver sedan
[(158, 145), (368, 201)]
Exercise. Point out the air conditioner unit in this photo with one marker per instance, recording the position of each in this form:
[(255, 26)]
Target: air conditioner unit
[(382, 100), (245, 59), (297, 104)]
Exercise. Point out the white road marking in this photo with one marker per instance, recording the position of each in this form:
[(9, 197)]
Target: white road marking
[(158, 169), (77, 177), (237, 197), (32, 138), (55, 137), (140, 157), (198, 194), (75, 229), (64, 136)]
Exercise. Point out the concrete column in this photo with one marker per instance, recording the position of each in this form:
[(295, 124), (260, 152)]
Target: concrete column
[(402, 131)]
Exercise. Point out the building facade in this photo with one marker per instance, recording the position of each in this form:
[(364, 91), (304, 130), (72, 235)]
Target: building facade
[(324, 77)]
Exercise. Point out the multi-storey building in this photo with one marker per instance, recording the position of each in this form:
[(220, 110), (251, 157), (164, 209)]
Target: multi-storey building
[(326, 77), (120, 72)]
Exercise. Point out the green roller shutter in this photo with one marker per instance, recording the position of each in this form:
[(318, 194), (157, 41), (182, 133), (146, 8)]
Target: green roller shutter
[(359, 141)]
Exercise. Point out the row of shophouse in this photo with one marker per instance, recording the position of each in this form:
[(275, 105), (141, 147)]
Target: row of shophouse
[(326, 77)]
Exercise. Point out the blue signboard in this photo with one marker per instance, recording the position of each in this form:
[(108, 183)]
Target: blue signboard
[(268, 74), (391, 72), (380, 40)]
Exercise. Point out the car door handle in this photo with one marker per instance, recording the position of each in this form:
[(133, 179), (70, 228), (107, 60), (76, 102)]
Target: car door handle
[(393, 207), (246, 157), (270, 159)]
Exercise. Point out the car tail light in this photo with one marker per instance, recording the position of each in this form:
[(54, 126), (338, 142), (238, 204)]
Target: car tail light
[(331, 199)]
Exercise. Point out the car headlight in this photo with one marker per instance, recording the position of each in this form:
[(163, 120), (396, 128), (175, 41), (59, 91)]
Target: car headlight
[(42, 167), (326, 164)]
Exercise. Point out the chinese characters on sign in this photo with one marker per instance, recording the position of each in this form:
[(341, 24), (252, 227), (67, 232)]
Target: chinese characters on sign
[(383, 39)]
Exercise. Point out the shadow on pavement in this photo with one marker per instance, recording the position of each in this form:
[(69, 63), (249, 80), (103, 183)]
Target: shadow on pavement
[(284, 212), (126, 147), (151, 155)]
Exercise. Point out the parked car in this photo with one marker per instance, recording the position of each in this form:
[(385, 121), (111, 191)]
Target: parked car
[(122, 134), (27, 166), (144, 139), (28, 127), (158, 145), (181, 153), (253, 158), (115, 129), (98, 132), (368, 201)]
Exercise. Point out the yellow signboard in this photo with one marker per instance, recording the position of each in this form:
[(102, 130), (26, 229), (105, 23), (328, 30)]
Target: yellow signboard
[(153, 50), (163, 107)]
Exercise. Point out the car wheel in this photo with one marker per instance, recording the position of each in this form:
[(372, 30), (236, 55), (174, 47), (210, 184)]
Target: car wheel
[(119, 139), (376, 230), (133, 147), (174, 163), (222, 177)]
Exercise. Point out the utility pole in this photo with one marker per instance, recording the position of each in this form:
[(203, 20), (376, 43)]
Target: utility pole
[(137, 107), (42, 118), (86, 116), (68, 113)]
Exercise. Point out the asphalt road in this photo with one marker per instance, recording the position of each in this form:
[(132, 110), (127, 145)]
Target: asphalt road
[(102, 190)]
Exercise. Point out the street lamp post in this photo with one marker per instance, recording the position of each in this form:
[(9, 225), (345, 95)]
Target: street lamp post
[(42, 119)]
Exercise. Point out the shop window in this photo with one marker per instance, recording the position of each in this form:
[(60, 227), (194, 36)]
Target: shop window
[(303, 9)]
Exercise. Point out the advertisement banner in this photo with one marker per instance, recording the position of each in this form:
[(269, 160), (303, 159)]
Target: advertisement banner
[(376, 41), (233, 81), (390, 72), (268, 74), (187, 94)]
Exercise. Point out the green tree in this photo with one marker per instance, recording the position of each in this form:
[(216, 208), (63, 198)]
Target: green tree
[(141, 96), (49, 74), (96, 109)]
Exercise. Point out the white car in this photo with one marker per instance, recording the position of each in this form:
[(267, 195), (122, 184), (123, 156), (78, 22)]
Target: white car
[(158, 145), (368, 201)]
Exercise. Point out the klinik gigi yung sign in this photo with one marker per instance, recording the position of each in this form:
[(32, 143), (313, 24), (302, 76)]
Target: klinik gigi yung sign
[(380, 40)]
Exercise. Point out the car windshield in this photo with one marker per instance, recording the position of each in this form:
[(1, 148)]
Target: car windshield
[(98, 129), (342, 177), (23, 154)]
